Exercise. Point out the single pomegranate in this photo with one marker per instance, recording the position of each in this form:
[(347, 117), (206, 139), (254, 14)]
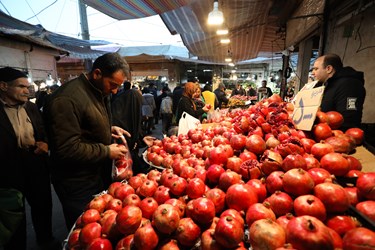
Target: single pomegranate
[(240, 197), (166, 219), (217, 196), (354, 163), (168, 244), (234, 214), (89, 233), (203, 211), (187, 232), (259, 211), (366, 185), (228, 178), (335, 119), (100, 243), (311, 161), (90, 215), (310, 205), (367, 208), (148, 206), (335, 163), (145, 237), (341, 223), (228, 232), (318, 150), (208, 242), (320, 175), (131, 199), (321, 131), (297, 182), (294, 161), (284, 220), (339, 144), (274, 182), (161, 194), (259, 186), (128, 219), (270, 161), (255, 144), (307, 232), (358, 239), (250, 169), (213, 174), (114, 204), (266, 234), (333, 196), (337, 240), (357, 133), (281, 203)]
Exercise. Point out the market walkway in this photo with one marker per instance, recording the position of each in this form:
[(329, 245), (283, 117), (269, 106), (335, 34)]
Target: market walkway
[(59, 229)]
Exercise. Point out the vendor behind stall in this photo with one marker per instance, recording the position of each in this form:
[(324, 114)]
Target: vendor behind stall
[(344, 89)]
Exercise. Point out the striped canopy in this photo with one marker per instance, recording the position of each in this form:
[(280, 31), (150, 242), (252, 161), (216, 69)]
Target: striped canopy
[(257, 28), (132, 9)]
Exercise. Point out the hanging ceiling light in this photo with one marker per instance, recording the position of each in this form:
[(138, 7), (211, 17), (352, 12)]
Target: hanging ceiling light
[(223, 30), (225, 40), (215, 17)]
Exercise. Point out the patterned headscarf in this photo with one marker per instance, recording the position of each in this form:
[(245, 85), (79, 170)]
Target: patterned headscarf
[(189, 91)]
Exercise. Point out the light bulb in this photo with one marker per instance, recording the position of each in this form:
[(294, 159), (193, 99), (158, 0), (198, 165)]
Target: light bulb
[(215, 17)]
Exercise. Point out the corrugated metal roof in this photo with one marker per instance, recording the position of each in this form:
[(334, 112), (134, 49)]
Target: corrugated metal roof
[(36, 34)]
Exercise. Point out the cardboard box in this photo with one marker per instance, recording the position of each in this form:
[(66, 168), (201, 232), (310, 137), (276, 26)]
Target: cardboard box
[(306, 105)]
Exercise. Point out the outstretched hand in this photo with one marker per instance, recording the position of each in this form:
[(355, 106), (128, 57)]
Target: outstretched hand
[(120, 133)]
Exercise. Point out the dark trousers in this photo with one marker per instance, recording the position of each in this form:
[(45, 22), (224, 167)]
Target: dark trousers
[(166, 122), (75, 193), (37, 191)]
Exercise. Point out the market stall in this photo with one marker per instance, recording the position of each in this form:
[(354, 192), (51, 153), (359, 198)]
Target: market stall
[(226, 183)]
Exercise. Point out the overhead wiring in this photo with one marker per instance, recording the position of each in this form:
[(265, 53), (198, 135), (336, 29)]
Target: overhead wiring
[(36, 15)]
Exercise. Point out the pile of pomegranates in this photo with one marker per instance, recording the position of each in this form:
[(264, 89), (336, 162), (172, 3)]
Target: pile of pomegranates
[(254, 181)]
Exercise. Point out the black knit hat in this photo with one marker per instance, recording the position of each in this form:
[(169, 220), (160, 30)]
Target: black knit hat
[(9, 74)]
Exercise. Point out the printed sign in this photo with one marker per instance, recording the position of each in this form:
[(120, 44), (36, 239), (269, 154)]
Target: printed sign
[(307, 103)]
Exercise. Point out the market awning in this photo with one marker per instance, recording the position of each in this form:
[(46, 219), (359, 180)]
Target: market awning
[(256, 28), (131, 9)]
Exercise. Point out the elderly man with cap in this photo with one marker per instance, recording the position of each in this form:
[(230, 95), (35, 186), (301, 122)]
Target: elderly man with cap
[(23, 157)]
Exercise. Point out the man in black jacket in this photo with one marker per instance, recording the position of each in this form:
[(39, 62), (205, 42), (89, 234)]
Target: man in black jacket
[(344, 89), (23, 156)]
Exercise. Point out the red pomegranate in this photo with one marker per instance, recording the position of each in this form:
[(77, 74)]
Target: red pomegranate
[(169, 244), (195, 188), (318, 150), (259, 211), (187, 232), (250, 169), (297, 182), (366, 185), (319, 175), (234, 214), (148, 206), (281, 203), (359, 238), (89, 233), (129, 219), (202, 211), (131, 199), (310, 205), (333, 196), (335, 163), (213, 173), (178, 204), (357, 133), (341, 223), (307, 232), (234, 163), (240, 197), (217, 196), (367, 208), (293, 161), (228, 178), (259, 186), (126, 243), (274, 182), (145, 237), (321, 131), (255, 144), (228, 232), (166, 219), (100, 243), (335, 119), (161, 194)]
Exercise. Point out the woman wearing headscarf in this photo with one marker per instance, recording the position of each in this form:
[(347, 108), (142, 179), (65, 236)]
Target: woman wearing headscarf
[(187, 103)]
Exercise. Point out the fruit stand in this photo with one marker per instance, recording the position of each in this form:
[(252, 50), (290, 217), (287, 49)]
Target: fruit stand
[(250, 180)]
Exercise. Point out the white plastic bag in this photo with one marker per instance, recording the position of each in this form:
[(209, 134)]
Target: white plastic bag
[(186, 123)]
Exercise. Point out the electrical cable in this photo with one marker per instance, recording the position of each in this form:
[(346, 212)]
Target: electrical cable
[(35, 15), (32, 11), (5, 8)]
